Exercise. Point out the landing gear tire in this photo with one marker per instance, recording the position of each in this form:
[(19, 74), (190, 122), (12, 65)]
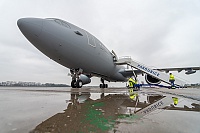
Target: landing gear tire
[(103, 86), (79, 84), (106, 85), (76, 84), (73, 84)]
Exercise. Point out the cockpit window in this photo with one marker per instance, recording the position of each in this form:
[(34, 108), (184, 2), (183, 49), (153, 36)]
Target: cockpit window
[(60, 22)]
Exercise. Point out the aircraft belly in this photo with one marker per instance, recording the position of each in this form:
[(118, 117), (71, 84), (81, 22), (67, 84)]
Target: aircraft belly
[(118, 76)]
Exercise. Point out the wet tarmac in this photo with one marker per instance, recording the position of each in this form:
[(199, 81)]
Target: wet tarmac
[(114, 110)]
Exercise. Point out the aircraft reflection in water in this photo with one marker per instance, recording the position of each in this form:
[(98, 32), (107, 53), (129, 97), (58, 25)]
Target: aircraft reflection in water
[(86, 115)]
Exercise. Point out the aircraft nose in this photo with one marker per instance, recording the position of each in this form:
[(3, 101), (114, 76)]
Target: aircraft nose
[(30, 26)]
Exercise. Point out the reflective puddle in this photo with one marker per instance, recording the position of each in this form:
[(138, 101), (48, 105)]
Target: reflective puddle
[(118, 112)]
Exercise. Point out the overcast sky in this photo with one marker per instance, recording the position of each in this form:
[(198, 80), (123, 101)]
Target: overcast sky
[(158, 33)]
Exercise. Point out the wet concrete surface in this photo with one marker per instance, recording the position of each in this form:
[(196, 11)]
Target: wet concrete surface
[(44, 110)]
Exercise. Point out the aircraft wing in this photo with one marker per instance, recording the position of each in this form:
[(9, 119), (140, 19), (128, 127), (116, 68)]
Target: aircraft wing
[(189, 70)]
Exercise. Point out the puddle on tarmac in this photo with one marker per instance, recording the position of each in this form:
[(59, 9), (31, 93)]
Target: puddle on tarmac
[(104, 112)]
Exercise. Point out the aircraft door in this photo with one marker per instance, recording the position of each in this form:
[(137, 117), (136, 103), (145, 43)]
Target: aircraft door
[(115, 58), (91, 39)]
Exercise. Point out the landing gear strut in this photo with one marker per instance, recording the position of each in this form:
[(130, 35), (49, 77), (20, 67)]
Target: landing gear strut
[(103, 85), (76, 82)]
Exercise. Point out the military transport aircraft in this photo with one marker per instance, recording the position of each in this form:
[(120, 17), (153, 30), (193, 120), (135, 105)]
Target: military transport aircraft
[(85, 55)]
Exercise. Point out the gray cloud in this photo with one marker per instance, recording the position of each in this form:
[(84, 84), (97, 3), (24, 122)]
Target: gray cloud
[(158, 33)]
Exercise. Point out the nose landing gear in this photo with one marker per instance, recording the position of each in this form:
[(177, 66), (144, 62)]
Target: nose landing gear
[(76, 82)]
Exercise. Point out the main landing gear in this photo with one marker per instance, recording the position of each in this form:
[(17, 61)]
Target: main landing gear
[(103, 85), (76, 82)]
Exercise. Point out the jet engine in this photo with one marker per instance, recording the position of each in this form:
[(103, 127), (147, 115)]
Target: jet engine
[(190, 72), (85, 79), (151, 80)]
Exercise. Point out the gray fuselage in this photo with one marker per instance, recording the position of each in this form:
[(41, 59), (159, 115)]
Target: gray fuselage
[(71, 47)]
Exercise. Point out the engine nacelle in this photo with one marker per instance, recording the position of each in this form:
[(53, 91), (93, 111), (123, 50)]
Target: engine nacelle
[(190, 72), (151, 80), (85, 79)]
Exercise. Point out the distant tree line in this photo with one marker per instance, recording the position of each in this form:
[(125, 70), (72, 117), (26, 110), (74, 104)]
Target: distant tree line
[(30, 84)]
